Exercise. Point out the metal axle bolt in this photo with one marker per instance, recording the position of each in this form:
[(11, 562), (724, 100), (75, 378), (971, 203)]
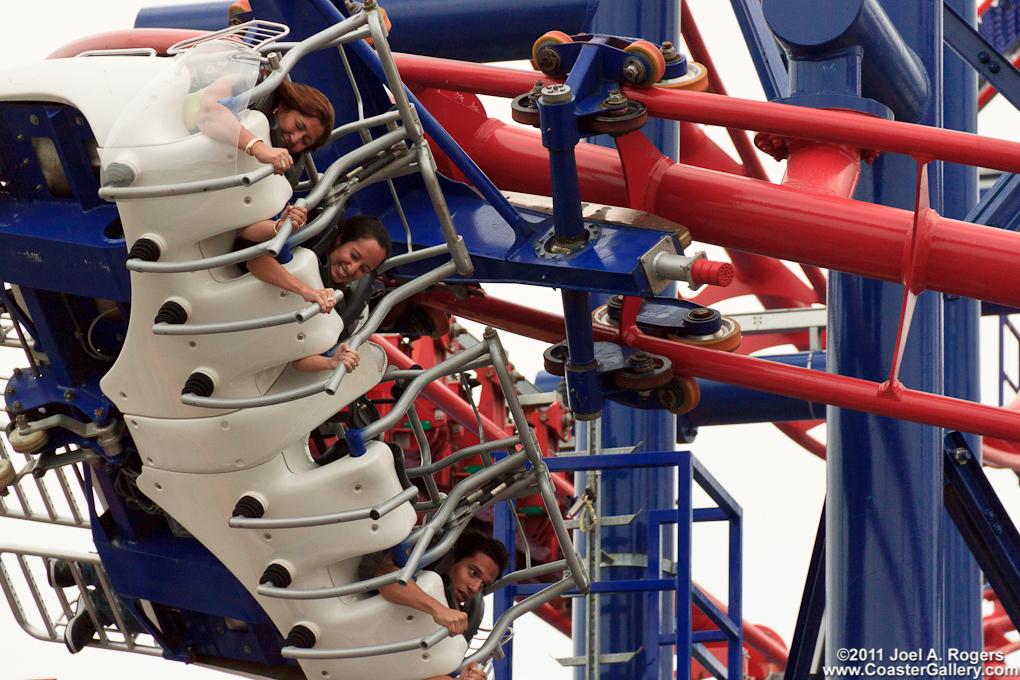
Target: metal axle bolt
[(702, 314), (668, 52), (548, 61), (17, 372), (633, 70), (961, 455), (615, 99), (641, 361)]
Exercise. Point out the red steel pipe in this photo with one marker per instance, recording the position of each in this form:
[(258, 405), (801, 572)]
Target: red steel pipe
[(449, 401), (826, 388), (750, 372), (831, 169), (797, 122), (826, 231)]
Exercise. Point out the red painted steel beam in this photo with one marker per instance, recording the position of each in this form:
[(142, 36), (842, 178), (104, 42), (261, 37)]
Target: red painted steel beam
[(825, 231), (449, 401), (838, 127), (827, 388), (750, 372)]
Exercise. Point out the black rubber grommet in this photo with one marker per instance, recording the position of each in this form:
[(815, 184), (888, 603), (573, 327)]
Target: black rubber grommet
[(172, 312), (400, 385), (300, 636), (145, 249), (250, 507), (199, 384), (279, 576)]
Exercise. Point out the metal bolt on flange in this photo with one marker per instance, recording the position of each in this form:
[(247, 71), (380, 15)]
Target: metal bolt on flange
[(669, 52), (961, 455), (17, 372), (536, 90), (69, 394), (10, 390), (639, 359), (556, 94), (16, 405), (702, 314), (99, 413), (615, 99)]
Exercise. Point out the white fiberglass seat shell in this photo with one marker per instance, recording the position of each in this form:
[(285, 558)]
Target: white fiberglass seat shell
[(292, 485), (151, 369), (289, 485), (248, 437)]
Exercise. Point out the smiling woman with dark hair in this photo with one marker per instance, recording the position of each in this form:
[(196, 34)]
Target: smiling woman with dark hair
[(302, 114), (361, 247)]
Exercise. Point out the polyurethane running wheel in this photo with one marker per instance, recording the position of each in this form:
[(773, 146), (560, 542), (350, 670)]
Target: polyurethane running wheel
[(601, 316), (695, 80), (655, 64), (7, 473), (726, 339), (550, 38), (683, 391)]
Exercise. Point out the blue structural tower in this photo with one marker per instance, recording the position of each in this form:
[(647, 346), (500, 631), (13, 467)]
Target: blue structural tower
[(624, 616), (961, 575)]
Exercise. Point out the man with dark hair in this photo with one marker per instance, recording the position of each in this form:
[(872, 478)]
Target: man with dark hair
[(476, 563)]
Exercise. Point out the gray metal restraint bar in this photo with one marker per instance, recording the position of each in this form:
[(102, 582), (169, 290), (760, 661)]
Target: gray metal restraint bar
[(299, 316), (383, 308), (466, 452), (376, 512), (421, 556)]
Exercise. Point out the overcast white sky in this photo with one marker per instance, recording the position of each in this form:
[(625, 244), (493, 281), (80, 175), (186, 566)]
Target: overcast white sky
[(780, 486)]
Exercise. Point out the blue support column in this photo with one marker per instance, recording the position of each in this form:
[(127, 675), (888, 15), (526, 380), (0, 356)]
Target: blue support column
[(503, 530), (624, 616), (961, 575), (883, 508)]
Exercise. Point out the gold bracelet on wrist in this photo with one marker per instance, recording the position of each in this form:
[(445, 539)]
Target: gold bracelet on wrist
[(276, 227), (250, 144)]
